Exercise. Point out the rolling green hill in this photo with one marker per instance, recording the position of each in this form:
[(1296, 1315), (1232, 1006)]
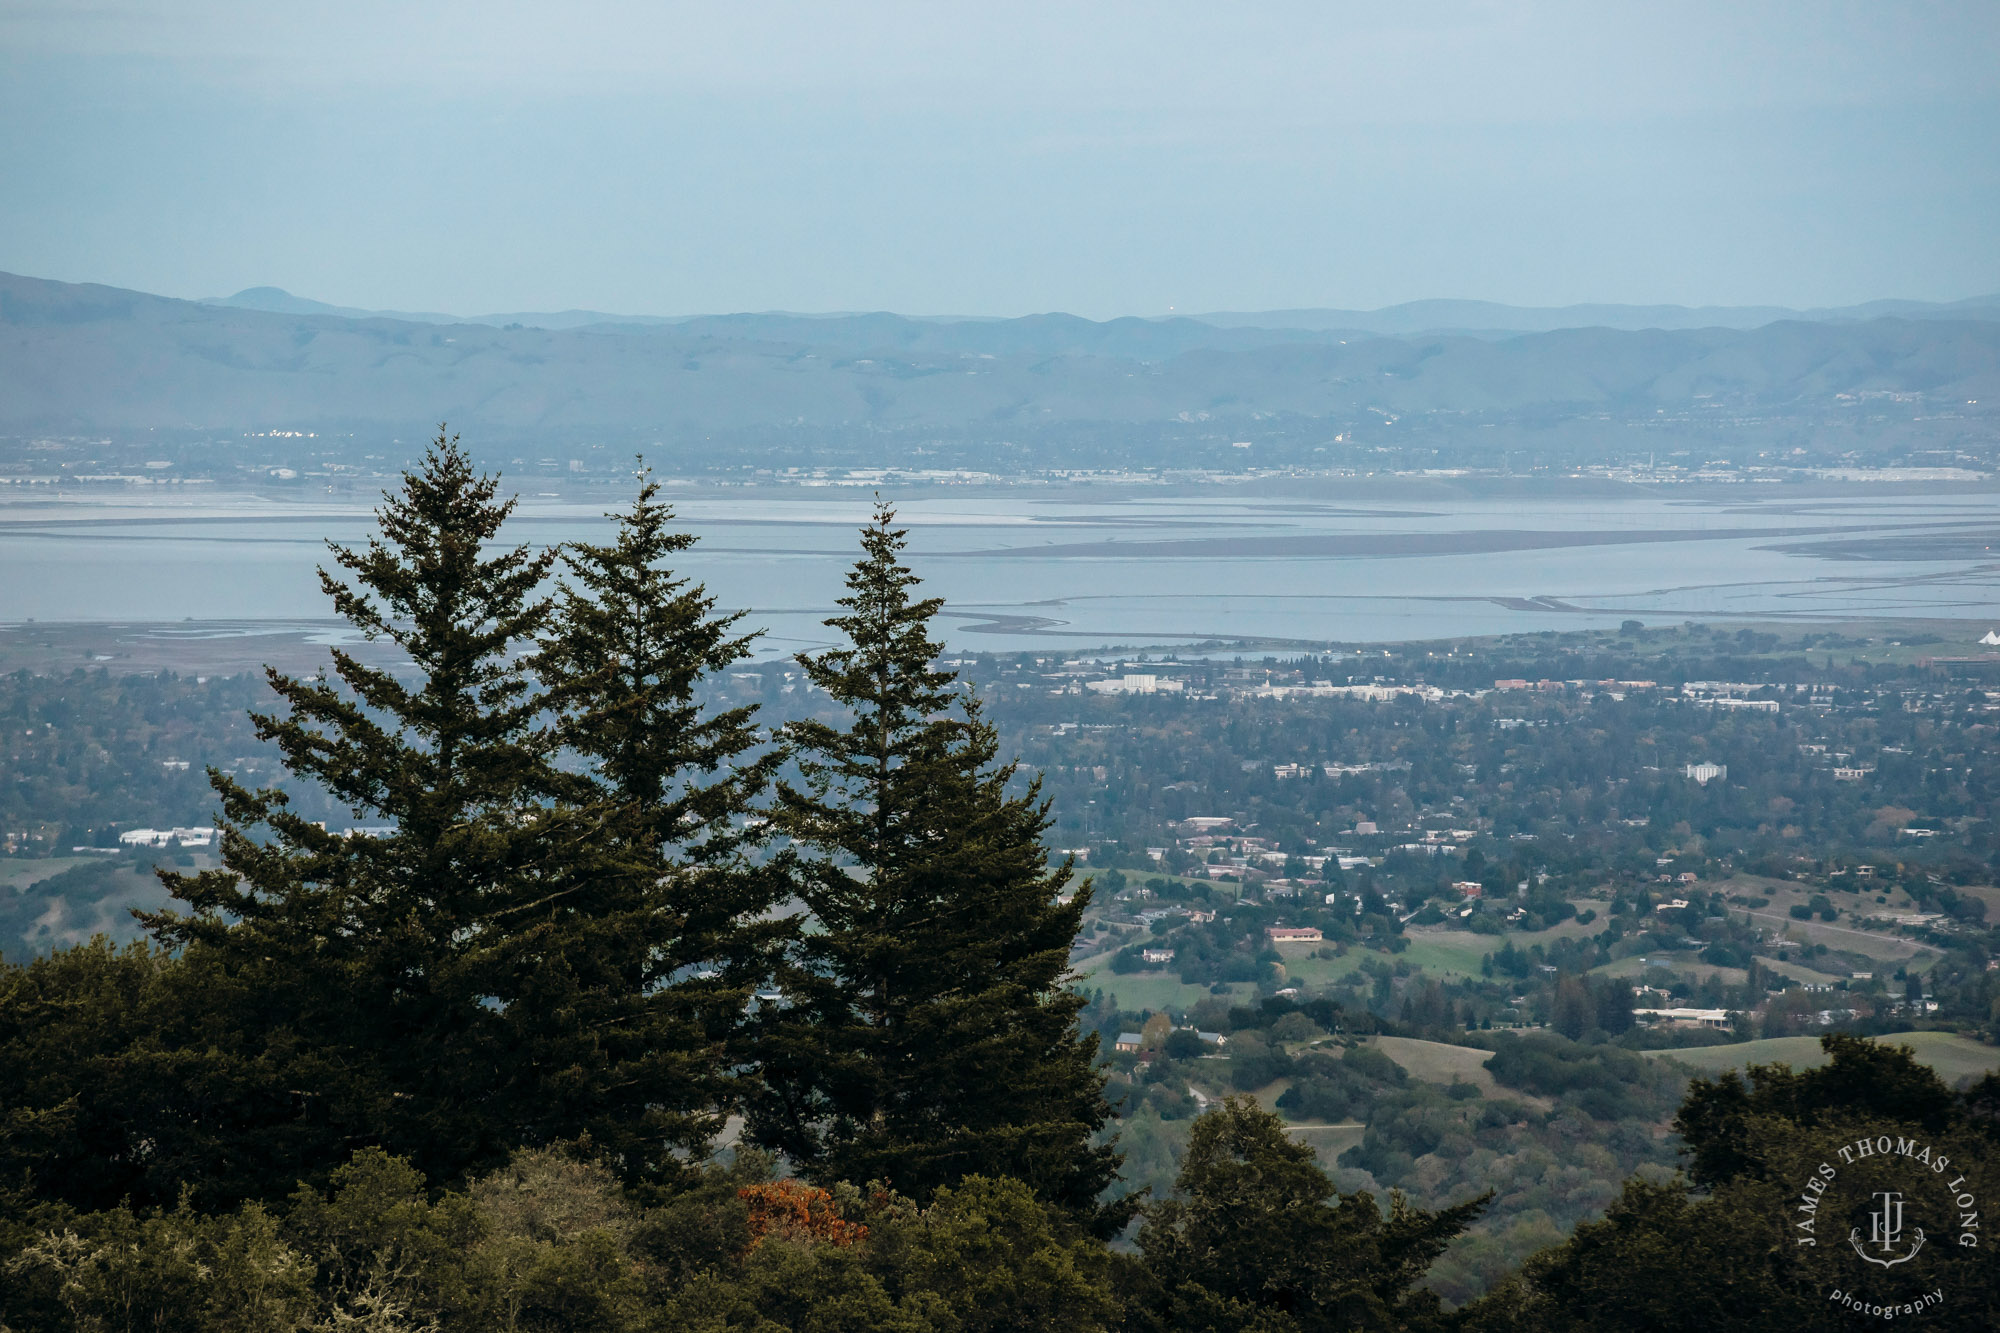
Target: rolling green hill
[(1952, 1056)]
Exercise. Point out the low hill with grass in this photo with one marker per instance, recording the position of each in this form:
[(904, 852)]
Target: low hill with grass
[(1952, 1056)]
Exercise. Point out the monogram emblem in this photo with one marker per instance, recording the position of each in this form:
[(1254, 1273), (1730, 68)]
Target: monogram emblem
[(1885, 1232)]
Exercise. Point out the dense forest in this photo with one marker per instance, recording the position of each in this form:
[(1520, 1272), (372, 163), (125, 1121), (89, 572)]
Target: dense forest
[(559, 985)]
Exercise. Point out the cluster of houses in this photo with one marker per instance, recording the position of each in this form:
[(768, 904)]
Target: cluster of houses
[(205, 837), (1242, 856)]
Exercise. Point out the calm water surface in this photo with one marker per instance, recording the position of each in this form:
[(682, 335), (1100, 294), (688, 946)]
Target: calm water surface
[(1070, 568)]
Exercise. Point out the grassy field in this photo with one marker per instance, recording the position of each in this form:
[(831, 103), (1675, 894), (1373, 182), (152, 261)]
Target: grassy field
[(1876, 944), (1952, 1056), (1800, 972), (1443, 952), (1305, 970), (1151, 990), (1987, 894), (1437, 958), (1267, 1096), (1633, 966), (18, 872), (1842, 934), (1328, 1141), (1449, 953), (1438, 1062)]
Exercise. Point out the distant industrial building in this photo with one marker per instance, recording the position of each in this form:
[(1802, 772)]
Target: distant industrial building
[(172, 837), (1693, 1018), (1138, 684)]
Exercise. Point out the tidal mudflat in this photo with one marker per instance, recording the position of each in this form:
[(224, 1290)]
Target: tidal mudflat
[(1074, 566)]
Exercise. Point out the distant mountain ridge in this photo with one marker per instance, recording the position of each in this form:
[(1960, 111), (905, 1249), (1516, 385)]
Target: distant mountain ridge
[(278, 301), (85, 357), (1419, 317), (1411, 317)]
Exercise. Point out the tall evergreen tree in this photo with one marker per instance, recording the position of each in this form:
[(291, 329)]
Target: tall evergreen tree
[(928, 1032), (359, 988), (645, 958)]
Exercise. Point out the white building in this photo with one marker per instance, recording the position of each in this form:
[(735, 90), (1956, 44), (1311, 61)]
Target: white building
[(173, 837), (1699, 1018), (1137, 684)]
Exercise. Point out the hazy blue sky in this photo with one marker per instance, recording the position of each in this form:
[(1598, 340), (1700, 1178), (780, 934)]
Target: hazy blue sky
[(1003, 158)]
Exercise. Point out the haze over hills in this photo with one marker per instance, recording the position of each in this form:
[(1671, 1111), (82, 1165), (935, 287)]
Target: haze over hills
[(278, 301), (1410, 317), (1417, 317), (95, 358)]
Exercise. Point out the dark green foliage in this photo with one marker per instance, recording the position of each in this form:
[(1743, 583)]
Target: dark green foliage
[(1573, 1008), (926, 1033), (87, 1070), (549, 1243), (997, 1259), (1613, 999), (376, 989), (1371, 1063), (1864, 1079), (1609, 1276), (1608, 1082), (649, 941), (1752, 1145), (1253, 1062), (1340, 1089), (1257, 1239)]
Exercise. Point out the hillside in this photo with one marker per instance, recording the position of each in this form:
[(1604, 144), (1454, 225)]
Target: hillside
[(92, 358), (1952, 1056), (1488, 318)]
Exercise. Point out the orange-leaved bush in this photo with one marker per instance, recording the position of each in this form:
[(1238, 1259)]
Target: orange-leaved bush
[(795, 1211)]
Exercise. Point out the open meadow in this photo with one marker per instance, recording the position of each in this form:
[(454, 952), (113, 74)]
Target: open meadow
[(1954, 1057)]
